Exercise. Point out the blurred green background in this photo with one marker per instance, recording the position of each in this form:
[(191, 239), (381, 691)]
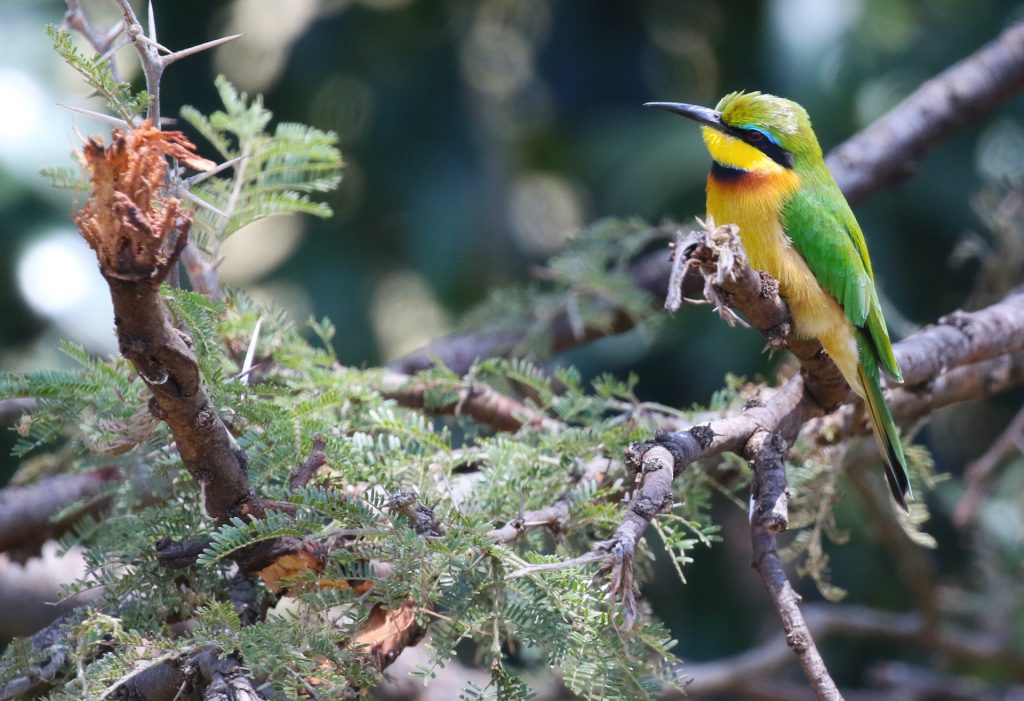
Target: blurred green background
[(476, 136)]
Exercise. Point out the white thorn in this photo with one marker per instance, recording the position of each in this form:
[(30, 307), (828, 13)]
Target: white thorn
[(250, 353), (184, 53), (152, 22), (99, 116), (200, 177), (202, 203), (149, 42)]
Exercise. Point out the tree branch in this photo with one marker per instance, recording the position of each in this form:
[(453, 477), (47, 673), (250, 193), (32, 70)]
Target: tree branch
[(966, 91), (767, 456), (483, 403), (976, 474), (729, 674), (26, 513), (459, 351)]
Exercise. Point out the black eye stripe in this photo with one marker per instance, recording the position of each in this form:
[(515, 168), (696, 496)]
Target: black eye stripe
[(766, 146)]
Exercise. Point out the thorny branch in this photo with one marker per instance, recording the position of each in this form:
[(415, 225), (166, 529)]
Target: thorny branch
[(138, 234)]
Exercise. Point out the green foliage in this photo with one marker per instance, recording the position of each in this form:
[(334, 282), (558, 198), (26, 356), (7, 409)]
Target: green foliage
[(589, 283), (96, 72), (373, 448), (276, 173), (99, 410), (65, 178)]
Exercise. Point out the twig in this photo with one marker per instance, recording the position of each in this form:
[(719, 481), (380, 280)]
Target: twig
[(552, 517), (549, 517), (479, 401), (317, 458), (201, 273), (655, 470), (153, 63), (769, 566), (76, 19), (977, 473)]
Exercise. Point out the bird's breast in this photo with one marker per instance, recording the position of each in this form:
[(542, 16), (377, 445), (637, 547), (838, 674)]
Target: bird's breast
[(753, 201)]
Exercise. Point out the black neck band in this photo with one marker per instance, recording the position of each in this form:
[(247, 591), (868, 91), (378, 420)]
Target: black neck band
[(726, 174)]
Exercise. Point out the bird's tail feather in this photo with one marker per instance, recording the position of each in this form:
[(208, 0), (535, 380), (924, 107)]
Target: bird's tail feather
[(884, 428)]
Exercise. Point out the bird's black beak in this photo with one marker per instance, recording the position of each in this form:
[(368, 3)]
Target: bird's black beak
[(702, 115)]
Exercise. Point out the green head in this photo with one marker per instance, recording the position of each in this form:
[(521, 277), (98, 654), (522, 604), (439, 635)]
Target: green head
[(747, 126)]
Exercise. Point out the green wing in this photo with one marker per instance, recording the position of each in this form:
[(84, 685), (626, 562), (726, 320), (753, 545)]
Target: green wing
[(822, 227)]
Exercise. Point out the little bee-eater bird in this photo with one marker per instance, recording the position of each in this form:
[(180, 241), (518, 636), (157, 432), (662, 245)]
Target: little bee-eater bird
[(768, 177)]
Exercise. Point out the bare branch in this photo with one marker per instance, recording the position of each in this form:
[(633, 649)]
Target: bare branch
[(479, 401), (769, 566), (957, 97), (76, 19), (769, 497), (201, 273), (825, 620), (317, 458), (26, 513), (549, 517), (976, 474)]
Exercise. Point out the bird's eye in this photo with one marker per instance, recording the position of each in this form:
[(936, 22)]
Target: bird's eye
[(754, 135)]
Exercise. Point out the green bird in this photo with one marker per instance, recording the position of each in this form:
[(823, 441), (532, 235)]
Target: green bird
[(768, 176)]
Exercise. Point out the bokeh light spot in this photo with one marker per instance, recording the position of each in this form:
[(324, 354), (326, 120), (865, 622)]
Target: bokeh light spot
[(545, 210), (53, 273)]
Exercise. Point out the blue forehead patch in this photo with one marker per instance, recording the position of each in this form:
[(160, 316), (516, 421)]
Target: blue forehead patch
[(762, 132)]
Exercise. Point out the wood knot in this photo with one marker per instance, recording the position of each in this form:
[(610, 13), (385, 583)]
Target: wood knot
[(205, 419)]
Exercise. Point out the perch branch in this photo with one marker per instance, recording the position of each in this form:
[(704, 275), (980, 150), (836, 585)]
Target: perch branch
[(767, 462)]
